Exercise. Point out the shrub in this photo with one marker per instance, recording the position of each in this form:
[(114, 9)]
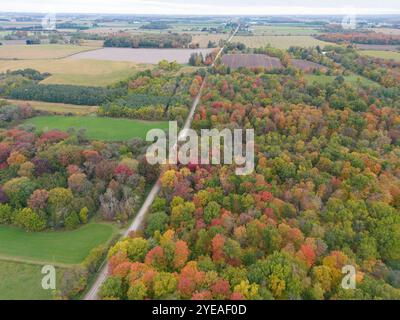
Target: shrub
[(93, 261), (112, 288), (73, 282), (72, 221), (29, 220), (6, 214), (83, 215)]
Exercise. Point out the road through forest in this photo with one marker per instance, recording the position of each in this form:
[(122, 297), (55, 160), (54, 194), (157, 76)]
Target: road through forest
[(139, 218)]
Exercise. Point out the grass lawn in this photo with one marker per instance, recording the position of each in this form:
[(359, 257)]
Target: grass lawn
[(381, 54), (280, 42), (58, 247), (109, 129), (77, 71), (40, 51), (23, 281), (59, 108), (327, 79)]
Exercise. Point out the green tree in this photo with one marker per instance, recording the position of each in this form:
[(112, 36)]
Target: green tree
[(211, 211), (19, 190), (28, 219), (112, 288), (137, 291), (164, 285), (156, 221), (6, 214)]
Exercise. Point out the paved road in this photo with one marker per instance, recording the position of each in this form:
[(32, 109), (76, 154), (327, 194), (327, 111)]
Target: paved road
[(138, 221)]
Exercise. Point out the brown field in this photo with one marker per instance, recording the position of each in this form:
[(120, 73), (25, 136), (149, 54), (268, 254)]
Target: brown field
[(57, 108), (140, 55), (105, 30), (307, 66), (40, 51), (280, 42), (390, 31), (235, 61), (379, 47), (78, 72), (202, 39)]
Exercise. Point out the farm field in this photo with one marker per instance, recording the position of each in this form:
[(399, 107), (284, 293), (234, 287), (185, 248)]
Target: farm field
[(40, 51), (382, 54), (22, 281), (327, 79), (108, 129), (78, 72), (203, 39), (391, 31), (379, 47), (59, 108), (280, 42), (307, 66), (235, 61), (140, 55), (58, 247), (283, 30)]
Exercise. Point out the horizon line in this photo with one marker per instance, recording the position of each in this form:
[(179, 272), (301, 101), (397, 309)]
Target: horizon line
[(338, 13)]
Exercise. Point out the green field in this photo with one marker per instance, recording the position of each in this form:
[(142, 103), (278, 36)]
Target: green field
[(381, 54), (109, 129), (280, 42), (354, 79), (58, 247), (22, 281)]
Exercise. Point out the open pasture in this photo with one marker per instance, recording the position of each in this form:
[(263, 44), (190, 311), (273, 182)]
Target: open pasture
[(278, 30), (57, 247), (280, 42), (78, 72), (23, 281), (382, 54), (140, 55), (57, 108), (99, 128), (39, 51)]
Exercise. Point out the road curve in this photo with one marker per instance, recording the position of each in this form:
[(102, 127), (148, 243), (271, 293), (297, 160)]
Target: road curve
[(139, 218)]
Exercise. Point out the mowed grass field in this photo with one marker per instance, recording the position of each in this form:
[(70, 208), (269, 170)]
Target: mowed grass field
[(99, 128), (381, 54), (78, 72), (57, 247), (40, 51), (354, 79), (23, 281), (280, 42), (58, 108)]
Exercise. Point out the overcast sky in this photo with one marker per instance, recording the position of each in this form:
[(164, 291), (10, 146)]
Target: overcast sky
[(205, 7)]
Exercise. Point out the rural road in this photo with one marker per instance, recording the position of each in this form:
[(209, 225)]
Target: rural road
[(138, 221)]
